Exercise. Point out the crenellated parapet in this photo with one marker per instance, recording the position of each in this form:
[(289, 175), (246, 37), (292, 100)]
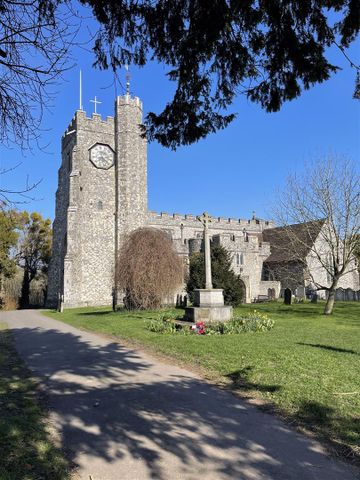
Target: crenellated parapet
[(81, 120), (216, 222)]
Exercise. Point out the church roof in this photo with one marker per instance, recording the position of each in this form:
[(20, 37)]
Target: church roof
[(292, 242)]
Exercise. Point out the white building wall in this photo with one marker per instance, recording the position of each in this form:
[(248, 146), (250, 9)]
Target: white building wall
[(318, 274)]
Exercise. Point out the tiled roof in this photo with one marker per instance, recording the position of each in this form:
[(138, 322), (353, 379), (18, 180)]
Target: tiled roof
[(292, 242)]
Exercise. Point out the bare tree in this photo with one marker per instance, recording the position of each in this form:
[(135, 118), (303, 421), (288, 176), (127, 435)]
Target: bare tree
[(149, 270), (13, 197), (325, 201), (35, 37)]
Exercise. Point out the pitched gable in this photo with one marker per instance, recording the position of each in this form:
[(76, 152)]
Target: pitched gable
[(292, 242)]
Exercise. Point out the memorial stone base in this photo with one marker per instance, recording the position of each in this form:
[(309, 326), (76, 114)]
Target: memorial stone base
[(208, 307)]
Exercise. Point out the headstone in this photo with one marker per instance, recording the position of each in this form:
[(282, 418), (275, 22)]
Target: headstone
[(349, 294), (339, 294), (287, 296), (300, 292), (314, 297), (60, 303), (271, 293), (114, 300)]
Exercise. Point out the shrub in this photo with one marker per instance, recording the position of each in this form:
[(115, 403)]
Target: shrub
[(8, 303)]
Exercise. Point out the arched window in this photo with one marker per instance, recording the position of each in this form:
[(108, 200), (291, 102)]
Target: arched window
[(100, 205)]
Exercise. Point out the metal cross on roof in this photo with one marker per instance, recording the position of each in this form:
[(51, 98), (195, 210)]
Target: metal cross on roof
[(95, 102)]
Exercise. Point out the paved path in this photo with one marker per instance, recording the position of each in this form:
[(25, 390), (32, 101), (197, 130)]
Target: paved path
[(125, 416)]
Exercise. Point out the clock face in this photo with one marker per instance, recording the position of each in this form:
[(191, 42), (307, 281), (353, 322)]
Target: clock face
[(102, 156)]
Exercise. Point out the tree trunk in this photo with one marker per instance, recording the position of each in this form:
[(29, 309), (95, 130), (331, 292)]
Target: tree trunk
[(330, 300), (25, 290)]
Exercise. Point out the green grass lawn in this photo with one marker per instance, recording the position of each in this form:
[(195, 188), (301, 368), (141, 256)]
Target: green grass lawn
[(26, 450), (307, 367)]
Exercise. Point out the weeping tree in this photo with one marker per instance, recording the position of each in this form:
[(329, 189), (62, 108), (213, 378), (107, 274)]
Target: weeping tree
[(319, 211), (34, 250), (149, 270)]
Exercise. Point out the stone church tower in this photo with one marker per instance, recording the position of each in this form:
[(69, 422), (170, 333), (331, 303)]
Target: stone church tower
[(101, 196)]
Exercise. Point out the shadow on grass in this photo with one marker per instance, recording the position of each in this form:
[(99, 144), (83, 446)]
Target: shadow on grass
[(328, 347), (113, 406), (341, 433), (325, 421), (25, 445), (138, 314), (95, 312), (240, 379)]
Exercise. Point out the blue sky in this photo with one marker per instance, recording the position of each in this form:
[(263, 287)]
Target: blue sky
[(231, 173)]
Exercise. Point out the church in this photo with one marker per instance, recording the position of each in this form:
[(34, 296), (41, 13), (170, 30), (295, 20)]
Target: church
[(102, 196)]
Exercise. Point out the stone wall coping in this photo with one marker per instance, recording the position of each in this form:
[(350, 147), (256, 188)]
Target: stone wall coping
[(215, 220)]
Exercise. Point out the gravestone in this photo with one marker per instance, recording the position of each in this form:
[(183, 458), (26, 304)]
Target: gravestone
[(349, 295), (287, 296), (339, 294), (314, 297), (181, 301), (60, 306), (300, 292), (271, 293), (113, 294)]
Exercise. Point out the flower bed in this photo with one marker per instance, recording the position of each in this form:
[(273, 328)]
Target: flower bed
[(251, 322)]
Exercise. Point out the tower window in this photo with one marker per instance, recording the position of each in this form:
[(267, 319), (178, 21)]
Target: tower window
[(239, 259), (100, 205)]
